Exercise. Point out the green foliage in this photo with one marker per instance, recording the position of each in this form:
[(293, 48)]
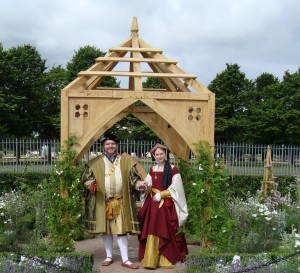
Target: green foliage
[(10, 181), (16, 220), (83, 59), (231, 87), (54, 80), (261, 82), (63, 194), (206, 193), (153, 83), (46, 262), (272, 109), (132, 128), (259, 226), (241, 186), (30, 100), (204, 262), (22, 94), (224, 217)]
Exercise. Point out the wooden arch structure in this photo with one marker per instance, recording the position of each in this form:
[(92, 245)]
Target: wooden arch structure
[(180, 114)]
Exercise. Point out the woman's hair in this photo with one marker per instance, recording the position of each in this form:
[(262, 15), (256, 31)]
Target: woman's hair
[(158, 145)]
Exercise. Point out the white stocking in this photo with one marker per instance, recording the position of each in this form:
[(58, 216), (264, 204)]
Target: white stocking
[(108, 244), (123, 245)]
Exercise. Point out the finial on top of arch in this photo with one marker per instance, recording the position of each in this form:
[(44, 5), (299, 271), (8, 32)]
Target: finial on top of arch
[(134, 27)]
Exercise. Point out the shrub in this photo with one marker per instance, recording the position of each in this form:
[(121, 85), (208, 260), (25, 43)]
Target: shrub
[(206, 194), (63, 193)]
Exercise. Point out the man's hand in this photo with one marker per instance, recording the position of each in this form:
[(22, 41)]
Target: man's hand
[(94, 187), (142, 186)]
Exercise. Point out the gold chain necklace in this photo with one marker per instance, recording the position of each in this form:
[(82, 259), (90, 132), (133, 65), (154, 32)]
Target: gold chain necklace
[(113, 167)]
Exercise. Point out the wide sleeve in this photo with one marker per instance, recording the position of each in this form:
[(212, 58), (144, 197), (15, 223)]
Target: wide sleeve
[(87, 177), (178, 195)]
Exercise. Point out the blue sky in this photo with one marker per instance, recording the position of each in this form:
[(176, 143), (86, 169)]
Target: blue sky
[(202, 35)]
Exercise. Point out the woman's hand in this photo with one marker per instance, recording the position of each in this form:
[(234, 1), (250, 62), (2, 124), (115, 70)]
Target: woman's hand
[(157, 197)]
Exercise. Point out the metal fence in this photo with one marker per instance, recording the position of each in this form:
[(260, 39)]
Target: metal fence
[(41, 155)]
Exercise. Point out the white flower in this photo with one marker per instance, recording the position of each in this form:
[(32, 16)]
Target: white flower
[(202, 191), (267, 212), (297, 243), (59, 172), (254, 215), (200, 167), (59, 261), (268, 218), (23, 259), (194, 184), (236, 260)]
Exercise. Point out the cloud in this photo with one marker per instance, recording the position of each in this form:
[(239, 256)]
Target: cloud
[(260, 36)]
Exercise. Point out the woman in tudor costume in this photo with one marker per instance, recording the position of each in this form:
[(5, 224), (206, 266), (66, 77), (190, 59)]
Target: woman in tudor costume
[(163, 211)]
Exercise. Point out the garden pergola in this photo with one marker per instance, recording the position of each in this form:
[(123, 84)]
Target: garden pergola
[(180, 114)]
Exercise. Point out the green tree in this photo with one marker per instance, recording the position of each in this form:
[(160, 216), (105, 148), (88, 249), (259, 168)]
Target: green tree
[(273, 110), (231, 87), (264, 80), (290, 90), (55, 79), (83, 59), (257, 102), (22, 90), (4, 107), (153, 83)]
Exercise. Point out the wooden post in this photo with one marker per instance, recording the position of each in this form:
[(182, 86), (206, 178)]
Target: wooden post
[(268, 172)]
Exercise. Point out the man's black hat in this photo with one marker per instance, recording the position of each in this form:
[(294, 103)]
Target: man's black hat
[(109, 137)]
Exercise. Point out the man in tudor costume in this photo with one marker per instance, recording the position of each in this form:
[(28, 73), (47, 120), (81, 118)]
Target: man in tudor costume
[(163, 211), (110, 198)]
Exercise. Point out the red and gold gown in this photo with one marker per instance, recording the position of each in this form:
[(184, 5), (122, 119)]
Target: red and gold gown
[(161, 245)]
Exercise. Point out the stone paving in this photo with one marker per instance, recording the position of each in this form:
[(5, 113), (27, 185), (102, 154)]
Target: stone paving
[(96, 247)]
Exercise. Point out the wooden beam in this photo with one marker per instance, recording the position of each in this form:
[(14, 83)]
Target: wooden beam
[(136, 82), (136, 74), (136, 49), (120, 94), (135, 60)]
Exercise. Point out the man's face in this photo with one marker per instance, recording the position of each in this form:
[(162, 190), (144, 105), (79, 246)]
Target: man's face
[(110, 147)]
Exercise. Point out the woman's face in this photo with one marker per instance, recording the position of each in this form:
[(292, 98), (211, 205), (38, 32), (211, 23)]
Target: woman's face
[(160, 155)]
